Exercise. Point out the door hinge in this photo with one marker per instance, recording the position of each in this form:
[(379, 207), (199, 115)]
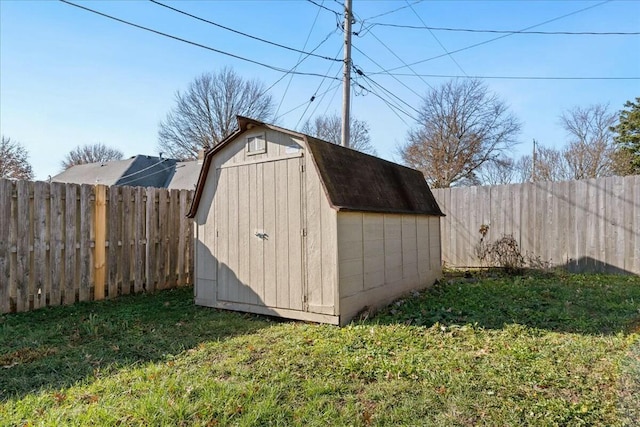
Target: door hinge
[(303, 232), (301, 168)]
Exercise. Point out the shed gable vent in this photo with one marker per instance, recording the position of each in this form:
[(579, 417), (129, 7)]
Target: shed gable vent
[(256, 144)]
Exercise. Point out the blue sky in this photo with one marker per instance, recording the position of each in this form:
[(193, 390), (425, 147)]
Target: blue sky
[(69, 77)]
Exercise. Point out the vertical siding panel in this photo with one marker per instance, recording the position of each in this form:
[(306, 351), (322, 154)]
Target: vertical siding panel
[(70, 244), (127, 239), (296, 283), (409, 247), (5, 244), (221, 204), (242, 292), (373, 250), (151, 277), (41, 266), (86, 257), (270, 219), (282, 236), (314, 240), (422, 233), (392, 248), (330, 294), (233, 193), (115, 241), (435, 248), (252, 292)]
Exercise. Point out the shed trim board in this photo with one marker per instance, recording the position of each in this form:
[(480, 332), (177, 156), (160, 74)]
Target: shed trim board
[(276, 236)]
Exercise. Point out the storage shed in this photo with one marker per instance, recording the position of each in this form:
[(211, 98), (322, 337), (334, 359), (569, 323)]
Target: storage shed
[(292, 226)]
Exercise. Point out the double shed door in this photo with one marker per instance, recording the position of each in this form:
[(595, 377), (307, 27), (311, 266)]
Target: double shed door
[(259, 233)]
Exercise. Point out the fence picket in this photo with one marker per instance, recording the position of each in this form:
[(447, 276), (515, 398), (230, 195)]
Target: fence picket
[(584, 226), (62, 243), (6, 190)]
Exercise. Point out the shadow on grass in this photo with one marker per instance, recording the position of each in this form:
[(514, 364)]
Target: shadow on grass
[(586, 304), (57, 347)]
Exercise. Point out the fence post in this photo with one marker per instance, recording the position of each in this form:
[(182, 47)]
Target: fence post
[(100, 242)]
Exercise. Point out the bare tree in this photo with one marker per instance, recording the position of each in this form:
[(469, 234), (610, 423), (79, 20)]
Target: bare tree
[(590, 149), (206, 112), (549, 165), (461, 127), (501, 170), (14, 160), (91, 153), (329, 128)]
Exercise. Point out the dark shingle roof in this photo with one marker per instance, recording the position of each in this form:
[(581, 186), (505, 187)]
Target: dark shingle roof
[(352, 180), (359, 182)]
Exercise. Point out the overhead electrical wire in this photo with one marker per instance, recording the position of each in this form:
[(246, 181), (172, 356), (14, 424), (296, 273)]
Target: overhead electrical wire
[(300, 59), (232, 55), (509, 77), (240, 32), (436, 39), (389, 12), (473, 30), (325, 8), (304, 103), (495, 38)]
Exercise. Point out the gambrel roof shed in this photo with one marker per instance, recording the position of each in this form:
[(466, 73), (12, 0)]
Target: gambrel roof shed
[(289, 225)]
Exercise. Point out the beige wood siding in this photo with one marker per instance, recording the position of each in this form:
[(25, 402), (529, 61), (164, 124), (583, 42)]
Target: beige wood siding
[(321, 242), (241, 182), (381, 256)]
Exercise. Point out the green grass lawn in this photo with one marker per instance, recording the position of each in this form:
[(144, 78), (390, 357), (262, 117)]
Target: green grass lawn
[(540, 350)]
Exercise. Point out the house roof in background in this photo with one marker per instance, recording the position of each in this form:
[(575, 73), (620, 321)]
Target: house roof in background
[(184, 176), (138, 171), (353, 181)]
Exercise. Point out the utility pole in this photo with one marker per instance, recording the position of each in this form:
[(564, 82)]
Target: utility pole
[(346, 79)]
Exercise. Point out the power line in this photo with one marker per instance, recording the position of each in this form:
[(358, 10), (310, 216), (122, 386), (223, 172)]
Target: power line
[(473, 30), (240, 32), (300, 59), (324, 7), (262, 64), (304, 103), (499, 37), (390, 12), (436, 39), (359, 71), (510, 77)]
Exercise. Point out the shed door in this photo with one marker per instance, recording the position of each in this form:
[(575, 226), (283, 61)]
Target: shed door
[(259, 217)]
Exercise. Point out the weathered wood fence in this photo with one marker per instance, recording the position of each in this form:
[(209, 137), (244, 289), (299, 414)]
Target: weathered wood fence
[(587, 226), (62, 243)]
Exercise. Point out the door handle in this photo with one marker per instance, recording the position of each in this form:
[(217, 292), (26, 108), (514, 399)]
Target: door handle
[(263, 236)]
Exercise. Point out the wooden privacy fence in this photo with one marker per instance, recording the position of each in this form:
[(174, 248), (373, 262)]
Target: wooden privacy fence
[(590, 225), (62, 243)]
